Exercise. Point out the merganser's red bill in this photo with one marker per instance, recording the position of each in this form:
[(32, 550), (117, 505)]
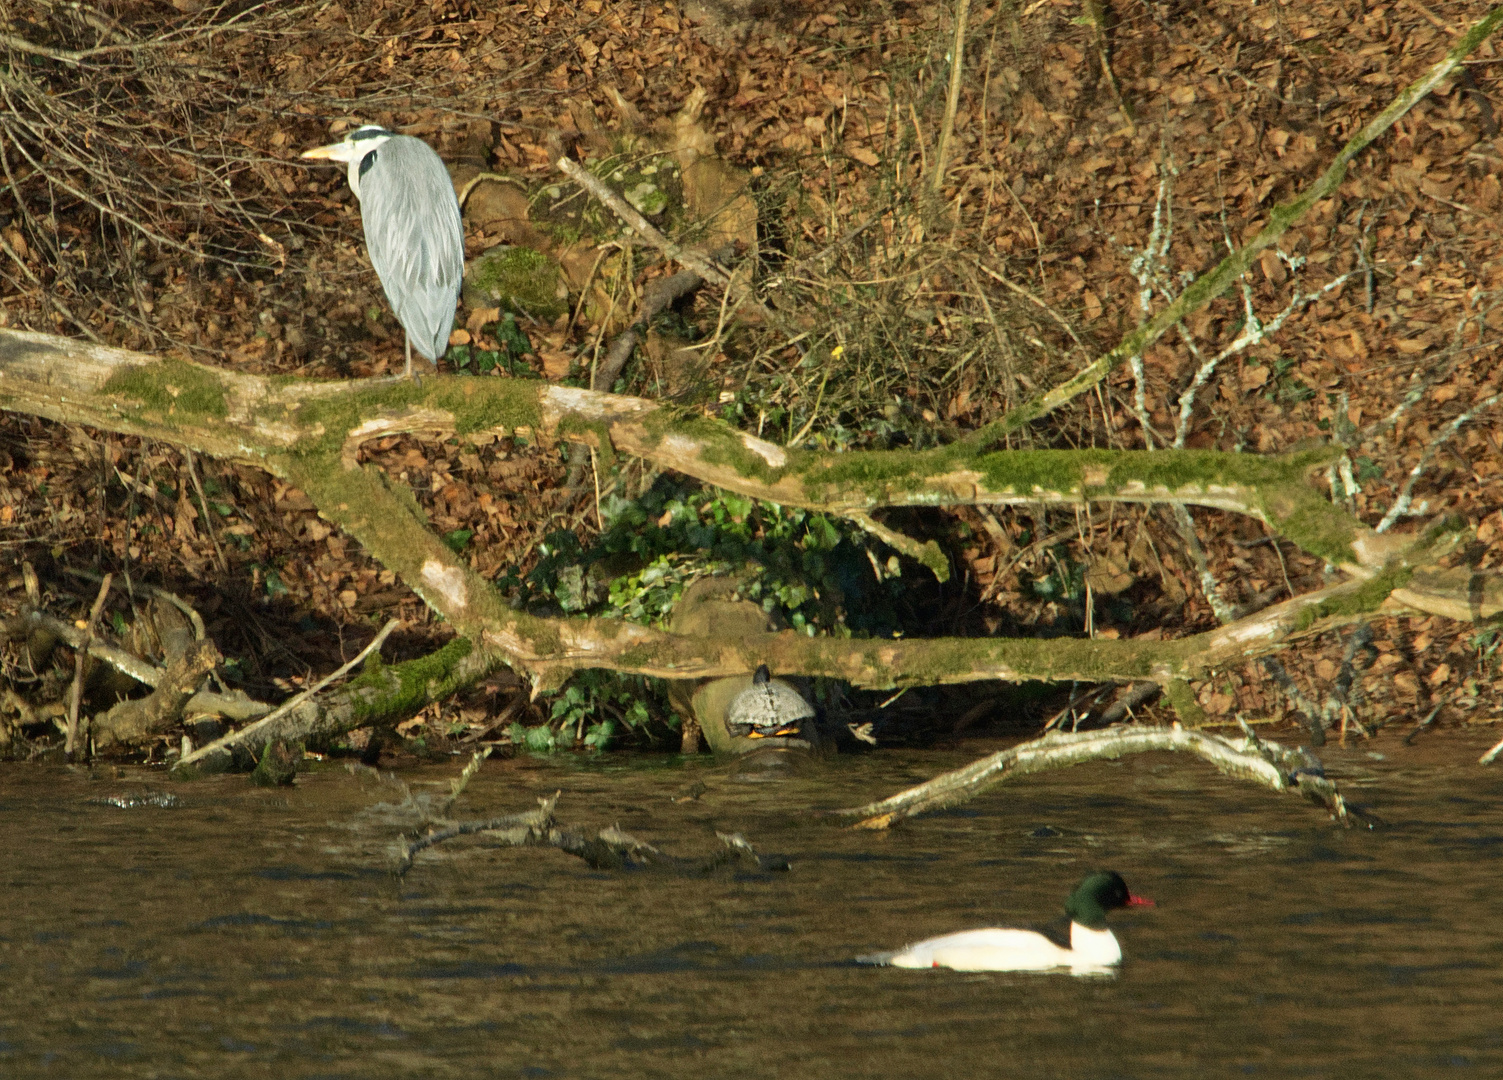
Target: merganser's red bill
[(1138, 901)]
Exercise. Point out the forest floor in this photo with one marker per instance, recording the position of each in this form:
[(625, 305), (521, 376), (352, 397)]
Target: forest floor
[(1099, 156)]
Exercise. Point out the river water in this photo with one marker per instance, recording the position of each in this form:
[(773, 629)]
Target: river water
[(255, 933)]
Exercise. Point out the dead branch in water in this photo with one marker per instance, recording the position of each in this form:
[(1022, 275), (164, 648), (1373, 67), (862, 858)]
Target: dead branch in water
[(1259, 762), (256, 734), (603, 849)]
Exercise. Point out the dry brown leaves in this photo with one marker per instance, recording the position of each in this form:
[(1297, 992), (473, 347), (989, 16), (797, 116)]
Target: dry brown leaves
[(1048, 182)]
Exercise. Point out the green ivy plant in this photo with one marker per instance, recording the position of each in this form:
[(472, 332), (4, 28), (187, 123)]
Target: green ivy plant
[(514, 344), (810, 571)]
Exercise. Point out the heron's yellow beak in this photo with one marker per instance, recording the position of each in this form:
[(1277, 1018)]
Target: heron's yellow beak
[(340, 151)]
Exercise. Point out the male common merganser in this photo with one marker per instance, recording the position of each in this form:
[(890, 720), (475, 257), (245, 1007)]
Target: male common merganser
[(767, 709), (1090, 947)]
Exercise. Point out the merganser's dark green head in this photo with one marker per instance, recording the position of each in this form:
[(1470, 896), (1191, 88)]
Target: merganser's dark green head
[(1099, 893)]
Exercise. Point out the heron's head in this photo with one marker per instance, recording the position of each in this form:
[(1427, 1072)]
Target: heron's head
[(352, 150)]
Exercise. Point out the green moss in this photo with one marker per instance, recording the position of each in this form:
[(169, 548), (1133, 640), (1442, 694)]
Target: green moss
[(278, 765), (647, 197), (517, 279), (1367, 597), (1182, 700), (562, 232), (875, 472), (475, 404), (1315, 525), (720, 443), (577, 426), (171, 389), (402, 689)]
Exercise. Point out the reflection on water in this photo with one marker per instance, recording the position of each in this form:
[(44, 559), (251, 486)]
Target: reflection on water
[(246, 933)]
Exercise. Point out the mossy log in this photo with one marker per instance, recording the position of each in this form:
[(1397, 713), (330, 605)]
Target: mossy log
[(309, 433), (380, 696)]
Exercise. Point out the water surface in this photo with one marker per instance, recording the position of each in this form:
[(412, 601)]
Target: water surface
[(253, 933)]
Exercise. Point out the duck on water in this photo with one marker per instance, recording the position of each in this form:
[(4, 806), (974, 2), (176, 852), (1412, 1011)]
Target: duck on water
[(1086, 946)]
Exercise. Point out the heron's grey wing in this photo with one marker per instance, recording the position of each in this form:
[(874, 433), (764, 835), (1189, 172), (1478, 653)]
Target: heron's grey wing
[(415, 239)]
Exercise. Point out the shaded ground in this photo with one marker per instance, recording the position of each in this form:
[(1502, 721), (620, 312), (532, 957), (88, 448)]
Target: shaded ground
[(200, 234)]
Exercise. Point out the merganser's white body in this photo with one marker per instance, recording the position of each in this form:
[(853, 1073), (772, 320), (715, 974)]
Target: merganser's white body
[(1012, 950), (1093, 949)]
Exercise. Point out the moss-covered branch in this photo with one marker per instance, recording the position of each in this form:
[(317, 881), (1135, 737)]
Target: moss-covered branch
[(380, 696), (276, 424)]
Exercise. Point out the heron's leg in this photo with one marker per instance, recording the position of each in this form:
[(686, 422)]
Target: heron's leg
[(408, 338)]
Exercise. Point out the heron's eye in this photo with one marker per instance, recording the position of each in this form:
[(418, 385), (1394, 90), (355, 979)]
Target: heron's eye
[(366, 163)]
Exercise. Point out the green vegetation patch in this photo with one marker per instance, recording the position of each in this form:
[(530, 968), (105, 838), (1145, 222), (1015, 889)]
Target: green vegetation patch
[(1368, 596), (517, 279)]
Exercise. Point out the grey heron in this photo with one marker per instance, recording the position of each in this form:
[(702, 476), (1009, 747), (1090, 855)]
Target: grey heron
[(767, 709), (412, 229)]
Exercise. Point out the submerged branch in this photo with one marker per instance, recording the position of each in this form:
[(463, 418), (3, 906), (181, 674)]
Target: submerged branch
[(603, 849), (1262, 763)]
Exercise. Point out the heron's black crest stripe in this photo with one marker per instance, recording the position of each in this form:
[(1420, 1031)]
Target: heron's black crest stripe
[(366, 163)]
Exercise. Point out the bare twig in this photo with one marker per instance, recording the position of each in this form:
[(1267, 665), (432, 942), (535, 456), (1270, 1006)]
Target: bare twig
[(1095, 14), (203, 502), (1208, 584), (1404, 503), (75, 699), (1492, 754), (928, 553), (639, 224), (219, 745), (457, 786), (952, 102)]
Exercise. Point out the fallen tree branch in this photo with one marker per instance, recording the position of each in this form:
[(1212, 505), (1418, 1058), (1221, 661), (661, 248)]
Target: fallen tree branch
[(235, 706), (379, 697), (276, 425), (133, 721), (706, 267), (264, 730), (1262, 763), (310, 434)]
